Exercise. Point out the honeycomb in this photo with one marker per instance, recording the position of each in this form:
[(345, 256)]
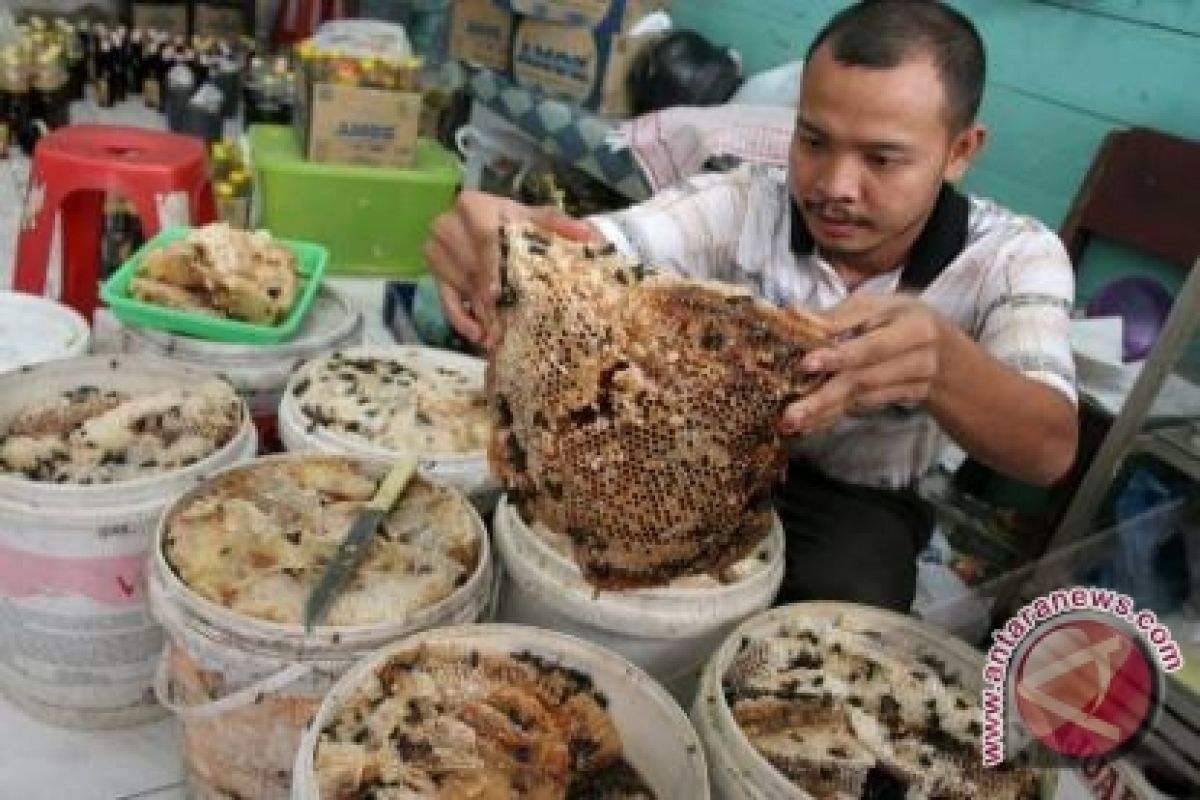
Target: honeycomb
[(88, 435), (455, 723), (220, 270), (636, 412), (839, 715)]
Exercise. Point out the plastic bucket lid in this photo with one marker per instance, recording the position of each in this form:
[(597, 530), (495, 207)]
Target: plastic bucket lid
[(34, 329)]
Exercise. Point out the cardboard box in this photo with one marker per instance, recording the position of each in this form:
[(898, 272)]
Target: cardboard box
[(601, 16), (223, 21), (353, 125), (172, 18), (481, 33), (577, 64)]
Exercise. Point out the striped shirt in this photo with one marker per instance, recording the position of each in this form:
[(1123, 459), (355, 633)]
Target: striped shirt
[(1007, 282)]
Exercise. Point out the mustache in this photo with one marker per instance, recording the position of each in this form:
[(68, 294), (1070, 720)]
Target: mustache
[(834, 211)]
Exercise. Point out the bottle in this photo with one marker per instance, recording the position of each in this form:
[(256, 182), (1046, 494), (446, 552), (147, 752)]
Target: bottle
[(83, 31), (181, 83), (227, 76), (113, 234), (14, 97), (134, 63), (221, 160), (202, 114), (103, 76), (73, 57), (98, 35), (50, 99), (243, 188), (116, 67), (151, 69), (233, 201)]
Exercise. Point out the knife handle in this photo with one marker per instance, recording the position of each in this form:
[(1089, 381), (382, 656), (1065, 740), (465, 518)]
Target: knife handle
[(393, 483)]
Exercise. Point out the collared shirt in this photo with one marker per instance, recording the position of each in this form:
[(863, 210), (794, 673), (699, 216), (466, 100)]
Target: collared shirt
[(1005, 279)]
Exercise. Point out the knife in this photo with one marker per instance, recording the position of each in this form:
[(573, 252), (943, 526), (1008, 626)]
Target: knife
[(354, 546)]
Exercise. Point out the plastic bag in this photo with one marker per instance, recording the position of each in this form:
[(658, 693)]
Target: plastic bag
[(363, 38), (683, 69), (1147, 512), (774, 87)]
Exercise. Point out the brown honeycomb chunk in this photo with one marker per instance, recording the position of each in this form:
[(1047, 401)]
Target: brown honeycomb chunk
[(638, 412)]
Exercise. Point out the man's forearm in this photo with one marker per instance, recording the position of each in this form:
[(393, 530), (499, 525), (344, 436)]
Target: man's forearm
[(1012, 423)]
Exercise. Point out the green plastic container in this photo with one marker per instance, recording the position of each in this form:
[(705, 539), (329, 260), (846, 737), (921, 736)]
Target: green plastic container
[(374, 220), (310, 260)]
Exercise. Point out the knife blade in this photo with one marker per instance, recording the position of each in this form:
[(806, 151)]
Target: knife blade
[(356, 542)]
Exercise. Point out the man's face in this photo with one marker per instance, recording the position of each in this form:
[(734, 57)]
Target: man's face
[(871, 149)]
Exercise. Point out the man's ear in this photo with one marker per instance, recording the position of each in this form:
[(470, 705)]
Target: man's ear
[(966, 145)]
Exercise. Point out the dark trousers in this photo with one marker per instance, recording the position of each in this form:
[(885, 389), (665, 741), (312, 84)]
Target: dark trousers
[(848, 542)]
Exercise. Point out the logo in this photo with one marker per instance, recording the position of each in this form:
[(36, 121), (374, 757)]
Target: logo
[(365, 130), (1085, 688), (1074, 677)]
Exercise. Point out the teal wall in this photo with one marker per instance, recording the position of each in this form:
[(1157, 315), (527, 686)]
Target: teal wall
[(1062, 74)]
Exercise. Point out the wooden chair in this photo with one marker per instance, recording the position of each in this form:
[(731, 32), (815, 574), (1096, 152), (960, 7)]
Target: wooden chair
[(1141, 191)]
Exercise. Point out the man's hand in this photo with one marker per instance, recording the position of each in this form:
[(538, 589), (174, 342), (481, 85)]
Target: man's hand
[(894, 350), (463, 251), (889, 352)]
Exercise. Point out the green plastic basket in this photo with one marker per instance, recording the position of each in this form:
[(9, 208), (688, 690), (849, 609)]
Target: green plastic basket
[(311, 260)]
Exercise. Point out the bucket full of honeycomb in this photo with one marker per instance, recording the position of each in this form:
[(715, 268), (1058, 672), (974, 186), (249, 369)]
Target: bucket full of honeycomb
[(498, 711), (835, 699), (383, 400), (91, 450), (234, 562)]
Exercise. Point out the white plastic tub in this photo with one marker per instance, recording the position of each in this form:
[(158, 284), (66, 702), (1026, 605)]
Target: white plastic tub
[(242, 741), (668, 631), (657, 739), (258, 371), (466, 471), (34, 329), (79, 643), (737, 770)]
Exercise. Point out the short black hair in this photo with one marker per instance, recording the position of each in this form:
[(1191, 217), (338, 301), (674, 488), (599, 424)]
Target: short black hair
[(882, 34)]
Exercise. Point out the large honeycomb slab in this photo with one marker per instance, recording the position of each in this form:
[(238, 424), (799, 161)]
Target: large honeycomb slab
[(638, 412)]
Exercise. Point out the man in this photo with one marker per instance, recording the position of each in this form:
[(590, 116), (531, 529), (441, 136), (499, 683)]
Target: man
[(955, 310)]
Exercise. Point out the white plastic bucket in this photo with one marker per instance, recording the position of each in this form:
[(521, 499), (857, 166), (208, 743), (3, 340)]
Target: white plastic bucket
[(242, 743), (34, 329), (737, 770), (258, 371), (466, 471), (77, 644), (656, 737), (667, 631)]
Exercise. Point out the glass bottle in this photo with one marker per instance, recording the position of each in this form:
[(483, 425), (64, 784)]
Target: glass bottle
[(14, 97), (134, 63), (50, 99), (76, 62), (151, 67)]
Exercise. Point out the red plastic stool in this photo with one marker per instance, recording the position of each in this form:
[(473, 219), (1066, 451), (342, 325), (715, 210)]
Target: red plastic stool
[(164, 175)]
